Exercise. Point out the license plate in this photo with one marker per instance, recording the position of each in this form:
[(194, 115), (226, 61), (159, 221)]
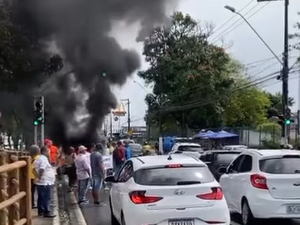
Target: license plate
[(293, 209), (181, 222)]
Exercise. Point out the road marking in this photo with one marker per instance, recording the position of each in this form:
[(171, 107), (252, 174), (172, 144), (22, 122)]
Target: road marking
[(75, 212), (56, 220)]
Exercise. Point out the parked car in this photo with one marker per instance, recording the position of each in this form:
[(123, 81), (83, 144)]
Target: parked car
[(137, 149), (234, 147), (216, 159), (166, 189), (263, 184), (192, 149)]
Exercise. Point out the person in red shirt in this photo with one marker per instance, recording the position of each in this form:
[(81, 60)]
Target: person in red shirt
[(53, 150)]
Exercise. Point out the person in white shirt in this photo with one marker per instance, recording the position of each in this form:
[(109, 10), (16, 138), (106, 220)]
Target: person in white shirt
[(83, 171), (45, 180)]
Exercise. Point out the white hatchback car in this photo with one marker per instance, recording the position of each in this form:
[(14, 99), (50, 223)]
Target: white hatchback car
[(192, 149), (263, 184), (166, 190)]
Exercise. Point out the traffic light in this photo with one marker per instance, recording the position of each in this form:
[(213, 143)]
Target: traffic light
[(288, 116), (38, 112)]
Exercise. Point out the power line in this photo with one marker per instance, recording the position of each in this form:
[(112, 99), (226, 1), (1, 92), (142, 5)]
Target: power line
[(219, 37), (219, 28), (213, 98)]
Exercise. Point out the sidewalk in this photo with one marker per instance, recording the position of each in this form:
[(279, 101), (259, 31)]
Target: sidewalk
[(38, 220)]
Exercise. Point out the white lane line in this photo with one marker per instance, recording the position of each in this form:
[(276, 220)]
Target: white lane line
[(56, 220), (75, 212)]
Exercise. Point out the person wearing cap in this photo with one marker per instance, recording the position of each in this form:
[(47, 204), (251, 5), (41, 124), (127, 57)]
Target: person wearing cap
[(83, 172), (44, 181), (98, 173)]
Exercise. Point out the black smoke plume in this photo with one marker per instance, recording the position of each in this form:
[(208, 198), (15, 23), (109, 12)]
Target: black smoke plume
[(79, 30)]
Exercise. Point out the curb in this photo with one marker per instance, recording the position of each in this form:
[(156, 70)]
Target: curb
[(76, 216), (56, 220)]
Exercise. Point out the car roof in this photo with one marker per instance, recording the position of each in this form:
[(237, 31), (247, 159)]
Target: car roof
[(224, 151), (162, 160), (275, 152), (189, 144)]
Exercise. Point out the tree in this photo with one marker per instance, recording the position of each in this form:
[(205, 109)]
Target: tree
[(296, 36), (193, 80), (247, 108), (23, 59), (186, 72), (276, 101)]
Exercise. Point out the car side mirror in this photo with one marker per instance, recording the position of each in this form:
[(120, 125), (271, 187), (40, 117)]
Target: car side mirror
[(110, 179), (223, 170)]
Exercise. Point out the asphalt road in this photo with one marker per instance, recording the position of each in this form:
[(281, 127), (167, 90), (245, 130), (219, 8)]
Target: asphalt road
[(95, 215)]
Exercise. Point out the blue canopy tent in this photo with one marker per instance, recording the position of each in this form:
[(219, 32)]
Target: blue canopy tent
[(205, 135), (223, 134)]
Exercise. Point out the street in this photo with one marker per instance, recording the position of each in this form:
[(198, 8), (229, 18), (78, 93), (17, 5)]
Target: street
[(101, 215)]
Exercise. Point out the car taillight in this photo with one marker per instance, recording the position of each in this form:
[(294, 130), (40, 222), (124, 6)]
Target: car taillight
[(173, 166), (216, 194), (259, 181), (139, 197)]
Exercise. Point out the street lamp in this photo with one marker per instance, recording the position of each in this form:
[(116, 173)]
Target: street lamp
[(232, 9)]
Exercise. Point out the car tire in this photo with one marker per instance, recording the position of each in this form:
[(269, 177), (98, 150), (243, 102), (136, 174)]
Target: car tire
[(114, 221), (246, 214)]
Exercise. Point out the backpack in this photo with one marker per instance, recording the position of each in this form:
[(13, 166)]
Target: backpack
[(119, 154)]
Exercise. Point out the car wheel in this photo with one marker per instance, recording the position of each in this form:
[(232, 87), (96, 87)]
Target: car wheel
[(247, 216), (114, 221)]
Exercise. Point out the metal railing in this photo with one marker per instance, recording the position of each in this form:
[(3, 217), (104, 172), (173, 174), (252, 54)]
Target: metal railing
[(15, 188)]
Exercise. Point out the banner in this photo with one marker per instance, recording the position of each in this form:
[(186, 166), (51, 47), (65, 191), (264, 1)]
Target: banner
[(108, 161)]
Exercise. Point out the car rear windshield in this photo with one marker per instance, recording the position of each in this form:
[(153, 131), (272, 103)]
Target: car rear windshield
[(280, 165), (226, 157), (190, 148), (173, 176)]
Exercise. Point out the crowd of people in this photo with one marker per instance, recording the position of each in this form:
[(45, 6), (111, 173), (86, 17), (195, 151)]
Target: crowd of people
[(83, 165)]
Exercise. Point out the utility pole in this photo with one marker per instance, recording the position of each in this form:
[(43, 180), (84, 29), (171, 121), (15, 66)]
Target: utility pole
[(285, 72), (111, 125), (128, 114)]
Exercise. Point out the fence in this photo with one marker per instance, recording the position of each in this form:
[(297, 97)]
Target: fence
[(15, 188), (267, 135)]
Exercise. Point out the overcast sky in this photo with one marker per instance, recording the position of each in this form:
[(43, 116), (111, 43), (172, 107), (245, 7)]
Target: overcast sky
[(266, 18)]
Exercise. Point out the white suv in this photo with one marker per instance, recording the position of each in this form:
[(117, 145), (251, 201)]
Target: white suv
[(166, 190), (263, 184)]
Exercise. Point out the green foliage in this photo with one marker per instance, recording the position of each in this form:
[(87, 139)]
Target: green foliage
[(296, 36), (185, 70), (276, 101), (246, 107), (22, 55), (269, 127), (194, 81)]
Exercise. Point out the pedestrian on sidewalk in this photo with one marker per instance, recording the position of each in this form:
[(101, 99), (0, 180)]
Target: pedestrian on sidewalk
[(83, 172), (34, 152), (44, 182), (70, 167), (98, 173)]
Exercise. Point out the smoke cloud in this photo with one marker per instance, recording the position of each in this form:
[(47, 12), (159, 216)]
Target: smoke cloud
[(79, 30)]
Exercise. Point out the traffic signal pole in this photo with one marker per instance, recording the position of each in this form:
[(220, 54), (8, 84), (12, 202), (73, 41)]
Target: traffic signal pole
[(38, 122), (43, 122), (35, 131), (285, 73)]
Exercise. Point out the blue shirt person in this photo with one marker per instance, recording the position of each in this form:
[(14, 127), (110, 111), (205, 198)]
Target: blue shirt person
[(128, 151)]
